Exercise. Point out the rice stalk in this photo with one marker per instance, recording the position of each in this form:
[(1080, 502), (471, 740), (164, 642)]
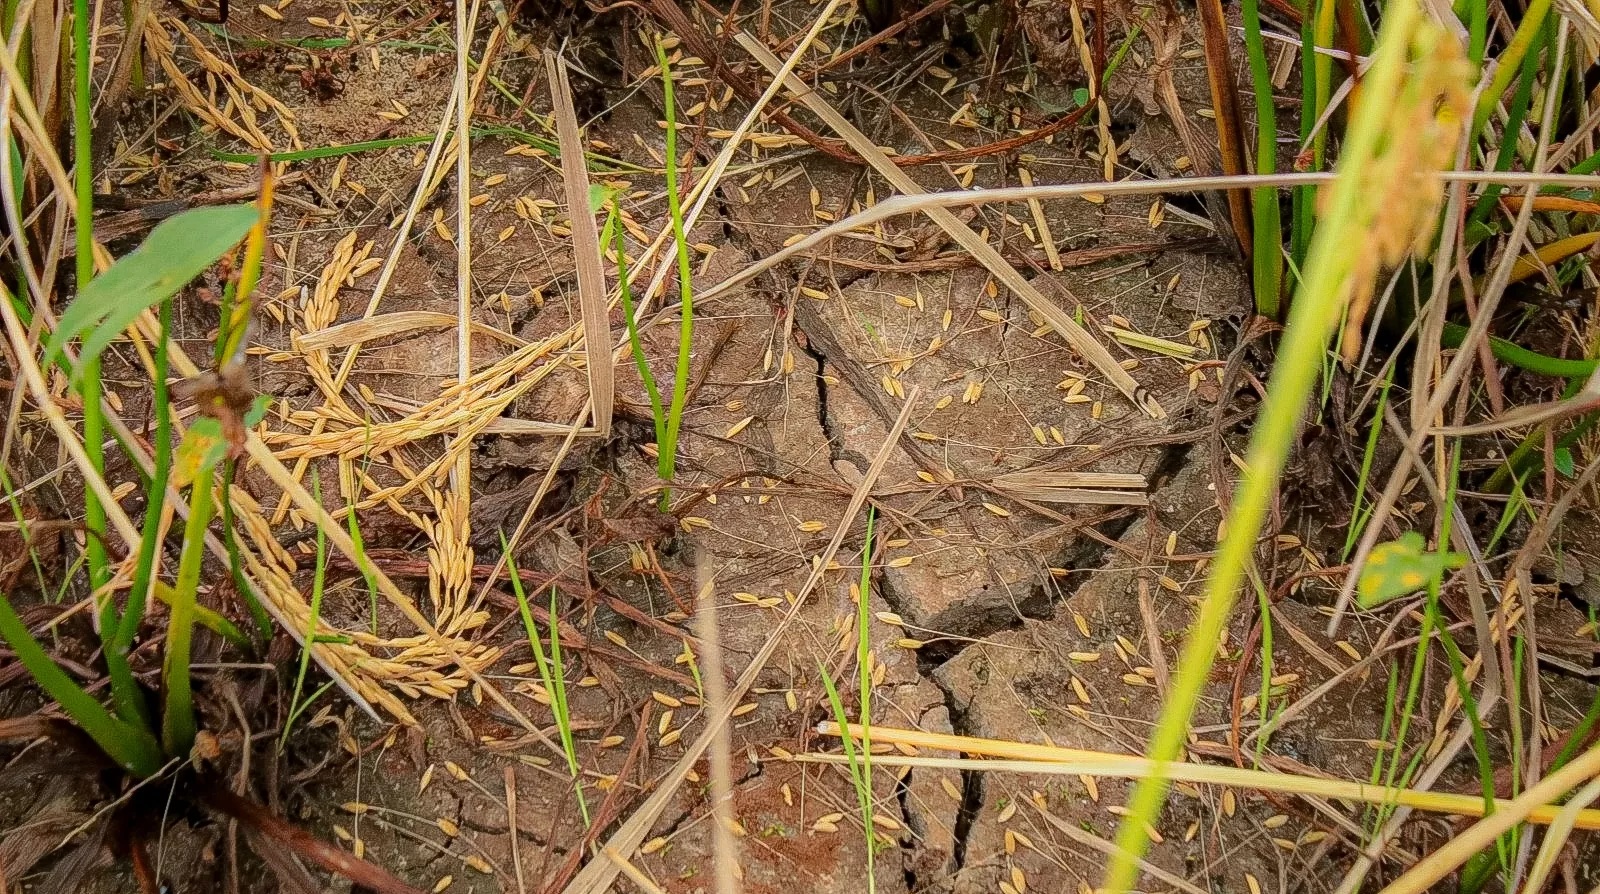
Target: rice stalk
[(1331, 277)]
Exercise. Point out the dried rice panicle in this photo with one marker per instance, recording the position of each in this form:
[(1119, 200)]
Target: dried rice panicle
[(1402, 178)]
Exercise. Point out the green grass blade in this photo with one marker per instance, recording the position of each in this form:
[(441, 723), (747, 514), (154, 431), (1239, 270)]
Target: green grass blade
[(858, 776), (552, 673), (1477, 16), (1579, 734), (657, 413), (126, 696), (1516, 505), (89, 386), (299, 710), (1510, 62), (1302, 201), (864, 651), (558, 699), (132, 702), (1522, 358), (319, 576), (230, 539), (1588, 165), (371, 580), (1358, 516), (132, 747), (1267, 230), (354, 526), (1516, 114), (155, 491), (667, 459), (1268, 670), (177, 718)]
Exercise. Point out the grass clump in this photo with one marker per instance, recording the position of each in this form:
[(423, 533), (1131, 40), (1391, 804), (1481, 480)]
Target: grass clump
[(137, 738), (667, 415)]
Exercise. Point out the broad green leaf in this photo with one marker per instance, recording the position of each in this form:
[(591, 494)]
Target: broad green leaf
[(1401, 566), (176, 251), (202, 448), (1563, 461), (608, 229), (258, 410), (599, 193)]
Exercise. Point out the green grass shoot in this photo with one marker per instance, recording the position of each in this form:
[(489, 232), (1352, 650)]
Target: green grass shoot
[(200, 453), (130, 701), (319, 575), (859, 777), (89, 387), (657, 411), (353, 526), (860, 762), (1358, 513), (667, 453), (552, 672), (1268, 670), (363, 563), (864, 651)]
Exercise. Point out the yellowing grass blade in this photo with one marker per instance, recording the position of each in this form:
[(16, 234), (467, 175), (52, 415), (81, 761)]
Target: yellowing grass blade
[(1022, 757)]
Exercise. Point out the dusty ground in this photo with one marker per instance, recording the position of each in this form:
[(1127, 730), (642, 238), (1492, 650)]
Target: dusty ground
[(1012, 617)]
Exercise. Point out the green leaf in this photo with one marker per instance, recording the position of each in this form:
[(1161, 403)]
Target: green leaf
[(599, 194), (133, 748), (258, 410), (1402, 566), (1563, 460), (176, 251), (203, 447), (1080, 97), (207, 618), (1477, 232)]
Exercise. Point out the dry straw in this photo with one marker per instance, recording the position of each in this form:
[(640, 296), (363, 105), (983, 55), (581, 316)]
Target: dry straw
[(592, 298)]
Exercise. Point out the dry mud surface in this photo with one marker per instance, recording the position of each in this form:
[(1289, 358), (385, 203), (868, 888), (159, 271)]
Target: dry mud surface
[(999, 608)]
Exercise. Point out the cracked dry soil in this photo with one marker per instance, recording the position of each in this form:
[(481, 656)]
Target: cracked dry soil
[(1033, 622)]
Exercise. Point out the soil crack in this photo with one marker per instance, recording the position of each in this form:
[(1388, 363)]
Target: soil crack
[(837, 452)]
